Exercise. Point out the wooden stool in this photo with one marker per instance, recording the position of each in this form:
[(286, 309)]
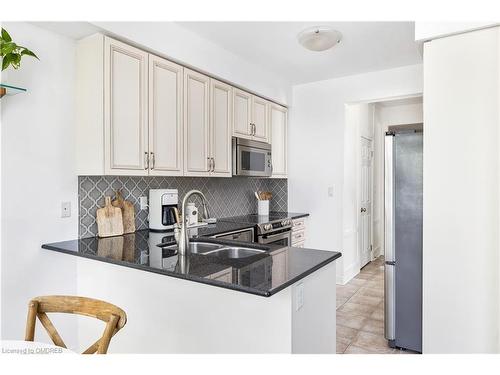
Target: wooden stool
[(114, 317)]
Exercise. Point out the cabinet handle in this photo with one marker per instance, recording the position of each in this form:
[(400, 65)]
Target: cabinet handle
[(254, 129), (209, 161), (153, 160), (213, 164), (146, 161)]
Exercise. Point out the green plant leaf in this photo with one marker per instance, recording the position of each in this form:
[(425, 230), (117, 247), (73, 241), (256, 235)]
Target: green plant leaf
[(5, 36), (26, 51), (8, 48), (6, 61), (16, 60)]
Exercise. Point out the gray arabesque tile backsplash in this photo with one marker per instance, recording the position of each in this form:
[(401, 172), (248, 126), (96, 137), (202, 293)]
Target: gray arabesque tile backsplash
[(226, 196)]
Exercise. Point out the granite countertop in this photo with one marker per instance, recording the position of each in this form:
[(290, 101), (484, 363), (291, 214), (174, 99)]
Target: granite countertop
[(263, 274)]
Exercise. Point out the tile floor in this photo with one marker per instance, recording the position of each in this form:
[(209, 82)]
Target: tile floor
[(360, 313)]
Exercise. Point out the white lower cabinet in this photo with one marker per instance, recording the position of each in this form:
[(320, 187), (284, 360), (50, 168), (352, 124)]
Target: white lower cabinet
[(279, 140), (299, 232)]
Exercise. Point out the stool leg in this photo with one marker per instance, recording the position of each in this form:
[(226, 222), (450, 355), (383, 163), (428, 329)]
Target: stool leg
[(30, 323)]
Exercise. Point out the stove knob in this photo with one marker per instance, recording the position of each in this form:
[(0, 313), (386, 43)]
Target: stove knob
[(284, 223), (268, 227)]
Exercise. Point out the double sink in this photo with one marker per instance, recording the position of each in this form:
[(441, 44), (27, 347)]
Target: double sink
[(220, 250)]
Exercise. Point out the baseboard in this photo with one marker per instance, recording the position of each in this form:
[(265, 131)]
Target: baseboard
[(348, 274)]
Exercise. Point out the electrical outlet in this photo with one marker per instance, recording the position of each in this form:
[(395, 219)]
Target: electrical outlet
[(299, 296), (66, 209), (143, 202)]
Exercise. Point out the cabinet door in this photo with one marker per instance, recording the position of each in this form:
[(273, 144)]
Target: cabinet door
[(221, 114), (165, 117), (278, 124), (242, 103), (196, 107), (260, 119), (125, 106)]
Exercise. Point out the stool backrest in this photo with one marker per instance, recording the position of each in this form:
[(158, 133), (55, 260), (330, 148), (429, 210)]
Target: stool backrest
[(114, 317)]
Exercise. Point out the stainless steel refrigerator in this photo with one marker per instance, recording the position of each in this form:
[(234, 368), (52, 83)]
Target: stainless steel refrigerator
[(403, 239)]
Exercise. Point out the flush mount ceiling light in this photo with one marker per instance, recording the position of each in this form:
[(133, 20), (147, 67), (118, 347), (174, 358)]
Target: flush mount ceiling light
[(319, 38)]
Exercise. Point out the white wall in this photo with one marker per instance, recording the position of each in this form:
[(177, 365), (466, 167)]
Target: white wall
[(316, 149), (387, 114), (461, 193), (176, 42), (358, 123), (37, 175)]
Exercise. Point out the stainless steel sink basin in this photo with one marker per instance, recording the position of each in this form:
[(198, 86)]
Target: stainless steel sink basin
[(234, 252), (223, 251), (199, 247)]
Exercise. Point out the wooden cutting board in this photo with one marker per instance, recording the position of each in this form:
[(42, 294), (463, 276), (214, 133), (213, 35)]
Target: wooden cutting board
[(109, 220), (128, 212)]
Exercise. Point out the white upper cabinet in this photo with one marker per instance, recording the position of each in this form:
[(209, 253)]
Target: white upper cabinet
[(165, 117), (125, 109), (221, 119), (251, 120), (242, 102), (139, 114), (260, 119), (196, 125), (279, 137)]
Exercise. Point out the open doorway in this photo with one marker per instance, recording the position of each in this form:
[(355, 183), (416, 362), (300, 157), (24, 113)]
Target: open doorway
[(360, 300)]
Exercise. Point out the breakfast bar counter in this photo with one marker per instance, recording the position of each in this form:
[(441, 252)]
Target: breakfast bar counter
[(269, 300)]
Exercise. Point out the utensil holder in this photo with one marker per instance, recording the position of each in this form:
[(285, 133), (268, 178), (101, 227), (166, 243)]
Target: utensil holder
[(263, 208)]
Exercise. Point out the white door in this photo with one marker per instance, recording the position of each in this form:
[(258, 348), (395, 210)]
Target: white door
[(365, 202), (221, 117), (165, 117), (278, 125), (196, 126), (260, 119), (242, 103), (125, 109)]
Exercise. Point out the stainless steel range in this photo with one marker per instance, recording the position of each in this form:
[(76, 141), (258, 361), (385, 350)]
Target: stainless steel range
[(274, 229)]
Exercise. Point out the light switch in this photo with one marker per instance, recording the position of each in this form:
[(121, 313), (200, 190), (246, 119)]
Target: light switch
[(66, 209)]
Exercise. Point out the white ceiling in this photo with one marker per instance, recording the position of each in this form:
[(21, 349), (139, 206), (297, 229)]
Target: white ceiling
[(365, 47)]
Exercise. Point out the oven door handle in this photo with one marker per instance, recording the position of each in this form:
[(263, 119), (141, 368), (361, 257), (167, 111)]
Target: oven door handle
[(278, 235)]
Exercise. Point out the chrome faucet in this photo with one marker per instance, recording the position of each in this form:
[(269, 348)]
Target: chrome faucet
[(183, 235)]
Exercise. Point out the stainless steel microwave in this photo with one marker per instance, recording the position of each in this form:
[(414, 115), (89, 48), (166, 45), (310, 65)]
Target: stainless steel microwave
[(251, 158)]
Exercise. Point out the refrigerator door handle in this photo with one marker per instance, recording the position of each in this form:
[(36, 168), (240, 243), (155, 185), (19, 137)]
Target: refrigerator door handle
[(389, 198), (389, 284), (390, 305)]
